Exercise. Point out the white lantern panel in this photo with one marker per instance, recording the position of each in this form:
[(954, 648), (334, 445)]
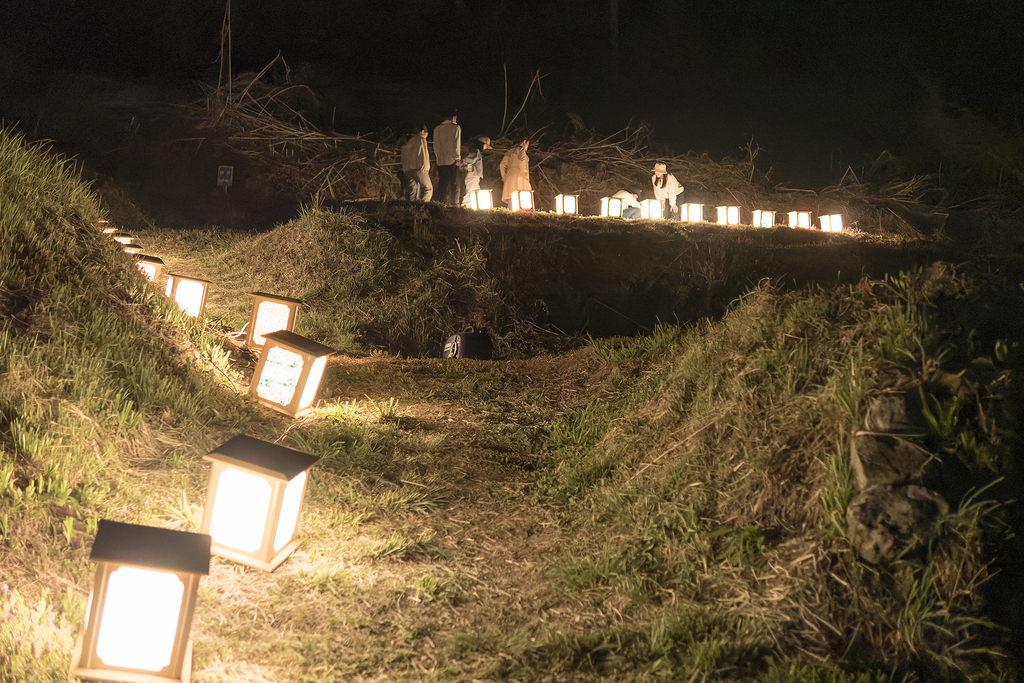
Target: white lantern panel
[(271, 316), (240, 510), (140, 619), (280, 375), (313, 383), (189, 296), (290, 505), (148, 269)]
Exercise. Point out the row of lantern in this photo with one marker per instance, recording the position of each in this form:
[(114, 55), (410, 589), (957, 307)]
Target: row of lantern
[(144, 590), (611, 207)]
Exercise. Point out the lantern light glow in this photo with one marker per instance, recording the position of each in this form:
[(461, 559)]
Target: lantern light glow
[(833, 223), (150, 266), (764, 219), (254, 500), (140, 608), (521, 200), (289, 372), (269, 314), (188, 293), (691, 212), (728, 215), (800, 219), (480, 200), (651, 208), (611, 207), (567, 204)]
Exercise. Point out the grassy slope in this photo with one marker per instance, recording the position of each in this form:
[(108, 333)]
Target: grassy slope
[(662, 506)]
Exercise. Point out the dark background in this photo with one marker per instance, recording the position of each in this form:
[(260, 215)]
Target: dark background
[(817, 85)]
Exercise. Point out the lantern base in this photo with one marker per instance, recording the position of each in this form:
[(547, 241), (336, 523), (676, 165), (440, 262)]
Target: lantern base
[(127, 675), (282, 409), (248, 560)]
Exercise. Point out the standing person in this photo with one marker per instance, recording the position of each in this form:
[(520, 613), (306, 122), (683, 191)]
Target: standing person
[(630, 205), (416, 167), (515, 170), (448, 151), (667, 189), (473, 166)]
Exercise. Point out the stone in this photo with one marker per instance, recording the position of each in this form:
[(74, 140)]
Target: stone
[(886, 459), (896, 413), (883, 521)]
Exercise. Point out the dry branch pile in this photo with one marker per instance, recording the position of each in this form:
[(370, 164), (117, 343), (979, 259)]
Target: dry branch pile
[(273, 123)]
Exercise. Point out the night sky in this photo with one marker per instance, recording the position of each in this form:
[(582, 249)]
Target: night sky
[(817, 85)]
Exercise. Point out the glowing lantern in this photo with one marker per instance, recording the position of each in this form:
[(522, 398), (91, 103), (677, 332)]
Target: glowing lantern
[(800, 219), (651, 208), (833, 223), (133, 248), (123, 238), (289, 372), (189, 293), (150, 266), (480, 200), (691, 212), (764, 219), (567, 203), (254, 499), (140, 608), (269, 314), (728, 215), (521, 200), (611, 207), (106, 228)]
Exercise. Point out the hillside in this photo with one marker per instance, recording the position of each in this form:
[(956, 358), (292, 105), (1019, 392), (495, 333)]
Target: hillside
[(651, 482)]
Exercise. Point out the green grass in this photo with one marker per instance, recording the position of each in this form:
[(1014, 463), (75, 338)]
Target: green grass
[(666, 506)]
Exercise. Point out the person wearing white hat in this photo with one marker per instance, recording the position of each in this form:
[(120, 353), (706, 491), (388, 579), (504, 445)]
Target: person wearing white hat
[(473, 166), (667, 189)]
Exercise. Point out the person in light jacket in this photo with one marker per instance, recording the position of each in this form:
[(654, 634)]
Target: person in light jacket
[(667, 190), (473, 166), (448, 151), (515, 170), (630, 205), (416, 168)]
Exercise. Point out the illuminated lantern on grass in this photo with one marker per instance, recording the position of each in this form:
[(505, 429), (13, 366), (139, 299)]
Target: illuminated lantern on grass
[(123, 238), (800, 219), (480, 200), (728, 215), (651, 208), (611, 207), (133, 248), (521, 200), (833, 223), (764, 219), (188, 292), (269, 314), (140, 608), (567, 204), (691, 212), (288, 375), (150, 266), (254, 500)]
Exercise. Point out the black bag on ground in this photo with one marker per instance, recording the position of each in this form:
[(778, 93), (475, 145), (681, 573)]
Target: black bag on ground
[(470, 343)]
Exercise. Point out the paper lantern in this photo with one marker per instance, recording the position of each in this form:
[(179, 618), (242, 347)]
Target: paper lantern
[(288, 374), (123, 238), (188, 292), (150, 266), (651, 208), (141, 604), (521, 200), (611, 207), (728, 215), (480, 200), (763, 219), (133, 248), (833, 223), (691, 212), (270, 313), (567, 204), (254, 500), (800, 219)]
